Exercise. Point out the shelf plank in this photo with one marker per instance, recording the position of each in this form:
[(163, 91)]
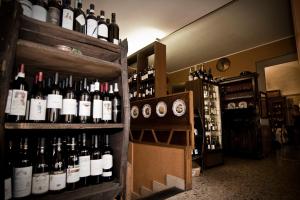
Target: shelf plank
[(43, 57), (60, 126)]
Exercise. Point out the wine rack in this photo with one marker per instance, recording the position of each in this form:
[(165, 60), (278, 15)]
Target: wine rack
[(32, 42)]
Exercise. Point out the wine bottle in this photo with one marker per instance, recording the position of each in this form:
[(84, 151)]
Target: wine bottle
[(113, 30), (22, 171), (67, 15), (191, 75), (97, 104), (69, 103), (79, 19), (84, 162), (107, 104), (39, 10), (92, 23), (92, 89), (72, 167), (58, 168), (8, 172), (96, 161), (54, 10), (8, 100), (38, 103), (40, 177), (19, 98), (116, 105), (84, 110), (102, 27), (54, 102), (107, 157)]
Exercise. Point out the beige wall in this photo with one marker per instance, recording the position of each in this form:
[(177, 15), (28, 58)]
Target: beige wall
[(242, 61)]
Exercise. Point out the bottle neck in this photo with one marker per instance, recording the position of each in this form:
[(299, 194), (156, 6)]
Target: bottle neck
[(111, 89), (56, 79), (97, 86), (73, 144), (116, 89), (95, 141), (83, 140), (106, 140), (85, 84)]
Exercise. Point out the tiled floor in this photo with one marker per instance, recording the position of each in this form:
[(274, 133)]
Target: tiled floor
[(272, 178)]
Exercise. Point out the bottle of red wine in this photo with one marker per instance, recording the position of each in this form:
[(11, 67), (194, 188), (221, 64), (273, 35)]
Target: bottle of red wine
[(102, 27), (19, 98), (97, 104), (92, 24), (40, 177), (58, 168), (107, 104), (69, 103), (8, 172), (96, 161), (116, 105), (72, 166), (113, 30), (84, 110), (84, 162), (54, 10), (38, 103), (107, 159), (54, 102), (22, 171), (79, 19), (67, 15), (39, 10)]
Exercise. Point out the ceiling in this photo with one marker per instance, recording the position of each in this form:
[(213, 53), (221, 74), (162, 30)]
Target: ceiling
[(196, 31)]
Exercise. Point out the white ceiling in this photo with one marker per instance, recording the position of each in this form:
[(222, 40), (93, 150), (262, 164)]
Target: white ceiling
[(196, 31)]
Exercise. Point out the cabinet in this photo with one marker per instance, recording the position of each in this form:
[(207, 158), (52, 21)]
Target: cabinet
[(33, 43)]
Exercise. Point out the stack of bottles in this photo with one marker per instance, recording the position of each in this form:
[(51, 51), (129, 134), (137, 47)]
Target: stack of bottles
[(200, 72)]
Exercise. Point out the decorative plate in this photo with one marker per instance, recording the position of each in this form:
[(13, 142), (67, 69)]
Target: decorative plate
[(134, 112), (146, 110), (161, 109), (231, 106), (179, 107), (243, 104)]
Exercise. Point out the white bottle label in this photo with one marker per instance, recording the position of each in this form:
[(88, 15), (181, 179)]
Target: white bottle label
[(22, 181), (80, 19), (85, 166), (107, 161), (107, 174), (39, 13), (40, 183), (92, 28), (54, 101), (103, 30), (27, 7), (97, 108), (67, 19), (107, 110), (18, 102), (69, 107), (84, 108), (96, 167), (73, 174), (116, 41), (7, 186), (8, 101), (37, 109), (57, 181)]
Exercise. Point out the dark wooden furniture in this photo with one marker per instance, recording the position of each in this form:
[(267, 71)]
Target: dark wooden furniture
[(33, 43)]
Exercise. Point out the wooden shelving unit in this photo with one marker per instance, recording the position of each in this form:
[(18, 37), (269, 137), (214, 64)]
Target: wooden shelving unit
[(33, 43)]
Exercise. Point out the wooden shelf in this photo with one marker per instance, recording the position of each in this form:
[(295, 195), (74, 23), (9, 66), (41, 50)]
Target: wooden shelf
[(238, 98), (43, 57), (60, 126)]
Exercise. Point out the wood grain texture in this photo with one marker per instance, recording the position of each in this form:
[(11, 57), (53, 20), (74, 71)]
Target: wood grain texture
[(160, 69)]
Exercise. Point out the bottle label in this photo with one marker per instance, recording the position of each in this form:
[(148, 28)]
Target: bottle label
[(97, 108), (54, 101), (18, 102), (107, 174), (40, 183), (69, 107), (73, 174), (22, 181), (85, 166), (57, 181), (80, 19), (8, 101), (103, 30), (96, 167), (27, 7), (53, 15), (37, 109), (92, 28), (84, 108), (107, 110), (39, 13), (116, 41), (107, 161), (67, 19), (7, 186)]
